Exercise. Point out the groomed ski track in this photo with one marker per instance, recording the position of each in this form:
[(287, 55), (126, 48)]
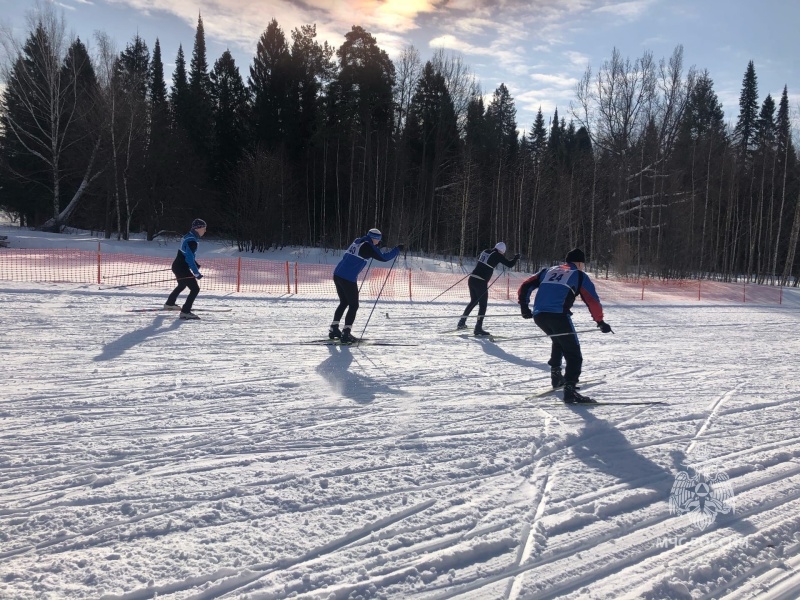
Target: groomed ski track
[(146, 457)]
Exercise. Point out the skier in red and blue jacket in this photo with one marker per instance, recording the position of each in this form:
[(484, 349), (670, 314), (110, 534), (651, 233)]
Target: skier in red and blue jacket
[(557, 289), (345, 277)]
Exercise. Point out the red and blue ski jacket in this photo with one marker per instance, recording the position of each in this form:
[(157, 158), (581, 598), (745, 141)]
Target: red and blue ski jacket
[(557, 289)]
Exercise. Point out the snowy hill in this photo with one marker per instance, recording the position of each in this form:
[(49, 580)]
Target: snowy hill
[(145, 457)]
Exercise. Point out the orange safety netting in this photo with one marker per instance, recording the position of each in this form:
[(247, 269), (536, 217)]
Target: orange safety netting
[(275, 278)]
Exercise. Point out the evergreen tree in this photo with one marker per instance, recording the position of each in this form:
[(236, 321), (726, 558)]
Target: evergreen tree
[(42, 108), (501, 118), (179, 94), (312, 69), (703, 114), (81, 137), (230, 98), (538, 135), (269, 82), (365, 80), (200, 129), (765, 125), (160, 170), (159, 105), (745, 129)]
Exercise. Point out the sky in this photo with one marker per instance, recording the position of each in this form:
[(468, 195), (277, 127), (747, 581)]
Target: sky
[(538, 48)]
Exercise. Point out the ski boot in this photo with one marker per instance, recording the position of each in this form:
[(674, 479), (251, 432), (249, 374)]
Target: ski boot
[(334, 333), (171, 307), (348, 338), (571, 396), (462, 324), (556, 378), (189, 316)]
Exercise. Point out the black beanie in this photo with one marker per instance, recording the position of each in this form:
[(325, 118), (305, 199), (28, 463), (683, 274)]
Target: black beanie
[(576, 256)]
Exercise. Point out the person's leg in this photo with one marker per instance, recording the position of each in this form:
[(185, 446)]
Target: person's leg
[(334, 333), (552, 324), (479, 289), (351, 295), (475, 286), (194, 289), (173, 297)]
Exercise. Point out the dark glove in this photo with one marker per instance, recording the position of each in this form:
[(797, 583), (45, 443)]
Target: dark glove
[(401, 247), (526, 312), (517, 256), (199, 276), (604, 327)]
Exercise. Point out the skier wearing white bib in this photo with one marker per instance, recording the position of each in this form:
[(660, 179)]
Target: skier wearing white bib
[(479, 284), (345, 277)]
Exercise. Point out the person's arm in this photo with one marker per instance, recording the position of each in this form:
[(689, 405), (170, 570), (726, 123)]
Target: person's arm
[(506, 262), (591, 299), (374, 252), (189, 248), (524, 294)]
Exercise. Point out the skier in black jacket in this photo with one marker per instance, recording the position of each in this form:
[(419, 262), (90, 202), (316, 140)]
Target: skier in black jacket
[(479, 283)]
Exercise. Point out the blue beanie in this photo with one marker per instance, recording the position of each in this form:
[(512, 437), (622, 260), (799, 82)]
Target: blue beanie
[(374, 234)]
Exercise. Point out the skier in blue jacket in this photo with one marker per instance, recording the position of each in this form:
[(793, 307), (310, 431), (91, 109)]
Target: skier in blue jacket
[(187, 271), (557, 289), (345, 277)]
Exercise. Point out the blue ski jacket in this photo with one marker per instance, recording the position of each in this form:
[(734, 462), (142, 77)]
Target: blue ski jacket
[(187, 252), (557, 289), (357, 255)]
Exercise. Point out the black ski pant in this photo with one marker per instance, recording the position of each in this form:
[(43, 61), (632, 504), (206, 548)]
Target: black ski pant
[(563, 346), (185, 280), (478, 293), (348, 297)]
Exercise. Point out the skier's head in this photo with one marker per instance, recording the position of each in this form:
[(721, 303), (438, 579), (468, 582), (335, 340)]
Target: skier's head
[(576, 256), (500, 247), (374, 235), (199, 224)]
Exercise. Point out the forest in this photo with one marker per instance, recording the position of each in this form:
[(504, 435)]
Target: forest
[(314, 145)]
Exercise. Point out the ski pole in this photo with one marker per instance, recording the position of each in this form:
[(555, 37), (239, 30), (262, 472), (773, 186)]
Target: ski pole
[(369, 266), (415, 317), (116, 287), (540, 335), (139, 273), (376, 299), (450, 288)]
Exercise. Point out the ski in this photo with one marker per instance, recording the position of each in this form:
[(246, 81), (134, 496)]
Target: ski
[(178, 312), (612, 403), (328, 342), (552, 390)]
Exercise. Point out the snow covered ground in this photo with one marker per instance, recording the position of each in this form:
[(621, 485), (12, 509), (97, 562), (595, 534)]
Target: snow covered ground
[(145, 457)]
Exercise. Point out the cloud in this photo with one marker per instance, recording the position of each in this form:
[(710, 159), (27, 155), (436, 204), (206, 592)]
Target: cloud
[(626, 10)]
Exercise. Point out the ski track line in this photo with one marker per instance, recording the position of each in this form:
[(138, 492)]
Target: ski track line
[(717, 404), (526, 548), (611, 568), (662, 521), (230, 583)]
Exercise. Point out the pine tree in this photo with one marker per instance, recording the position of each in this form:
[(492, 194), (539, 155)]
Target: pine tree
[(200, 127), (269, 84), (745, 129), (230, 100), (179, 94)]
